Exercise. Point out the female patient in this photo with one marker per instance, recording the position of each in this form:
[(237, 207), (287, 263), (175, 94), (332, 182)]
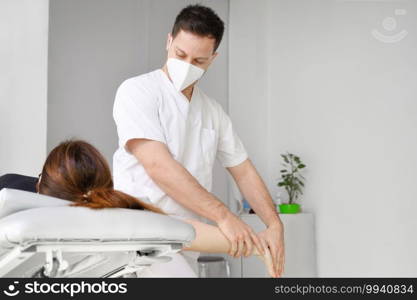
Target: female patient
[(76, 171)]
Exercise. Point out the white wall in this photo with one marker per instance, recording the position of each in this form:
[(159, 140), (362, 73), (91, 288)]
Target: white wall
[(313, 80), (23, 85)]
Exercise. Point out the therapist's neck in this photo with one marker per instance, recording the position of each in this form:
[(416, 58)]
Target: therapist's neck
[(188, 92)]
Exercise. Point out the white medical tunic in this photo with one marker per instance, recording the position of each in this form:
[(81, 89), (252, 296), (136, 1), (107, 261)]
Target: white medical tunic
[(196, 132)]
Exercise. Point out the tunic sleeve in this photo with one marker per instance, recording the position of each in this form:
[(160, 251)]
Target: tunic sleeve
[(135, 113)]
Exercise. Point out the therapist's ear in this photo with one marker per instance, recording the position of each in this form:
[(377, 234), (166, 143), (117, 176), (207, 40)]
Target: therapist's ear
[(213, 56), (169, 41)]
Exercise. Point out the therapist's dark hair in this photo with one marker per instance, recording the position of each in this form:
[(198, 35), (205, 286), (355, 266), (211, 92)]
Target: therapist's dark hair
[(76, 171), (200, 20)]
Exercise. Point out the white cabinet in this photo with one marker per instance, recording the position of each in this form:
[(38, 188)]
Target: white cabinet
[(300, 246)]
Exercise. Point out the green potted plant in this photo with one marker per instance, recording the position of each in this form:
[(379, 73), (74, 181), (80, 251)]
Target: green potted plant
[(292, 181)]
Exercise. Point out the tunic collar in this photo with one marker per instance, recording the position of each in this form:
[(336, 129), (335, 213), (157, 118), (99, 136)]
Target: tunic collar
[(182, 101)]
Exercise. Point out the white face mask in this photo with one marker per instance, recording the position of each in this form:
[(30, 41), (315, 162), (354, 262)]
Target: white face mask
[(182, 73)]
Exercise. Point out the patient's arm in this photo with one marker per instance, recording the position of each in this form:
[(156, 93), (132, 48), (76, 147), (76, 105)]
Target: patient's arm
[(209, 238)]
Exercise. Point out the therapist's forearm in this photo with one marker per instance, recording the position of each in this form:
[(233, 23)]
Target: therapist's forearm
[(181, 186), (255, 192)]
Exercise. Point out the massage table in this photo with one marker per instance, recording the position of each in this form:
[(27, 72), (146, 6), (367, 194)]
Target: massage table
[(43, 237)]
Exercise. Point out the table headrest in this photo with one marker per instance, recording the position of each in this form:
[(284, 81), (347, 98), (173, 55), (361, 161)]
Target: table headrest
[(12, 201)]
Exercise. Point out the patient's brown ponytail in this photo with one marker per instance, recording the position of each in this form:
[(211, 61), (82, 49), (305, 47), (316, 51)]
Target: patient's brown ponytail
[(76, 171), (106, 198)]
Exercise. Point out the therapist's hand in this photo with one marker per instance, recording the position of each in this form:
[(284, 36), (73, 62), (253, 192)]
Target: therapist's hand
[(240, 235), (274, 237)]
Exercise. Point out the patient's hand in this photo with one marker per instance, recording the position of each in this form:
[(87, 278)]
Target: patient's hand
[(267, 259)]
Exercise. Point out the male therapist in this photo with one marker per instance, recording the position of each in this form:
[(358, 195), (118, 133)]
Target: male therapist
[(170, 132)]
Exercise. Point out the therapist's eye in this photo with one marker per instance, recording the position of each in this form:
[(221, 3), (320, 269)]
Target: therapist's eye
[(180, 55)]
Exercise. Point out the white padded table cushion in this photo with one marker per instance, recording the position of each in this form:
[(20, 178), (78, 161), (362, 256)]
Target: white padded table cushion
[(30, 218)]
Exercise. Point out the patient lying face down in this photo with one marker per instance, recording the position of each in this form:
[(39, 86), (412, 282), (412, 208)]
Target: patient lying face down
[(76, 171)]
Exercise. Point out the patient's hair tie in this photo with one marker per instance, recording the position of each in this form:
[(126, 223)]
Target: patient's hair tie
[(88, 194)]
